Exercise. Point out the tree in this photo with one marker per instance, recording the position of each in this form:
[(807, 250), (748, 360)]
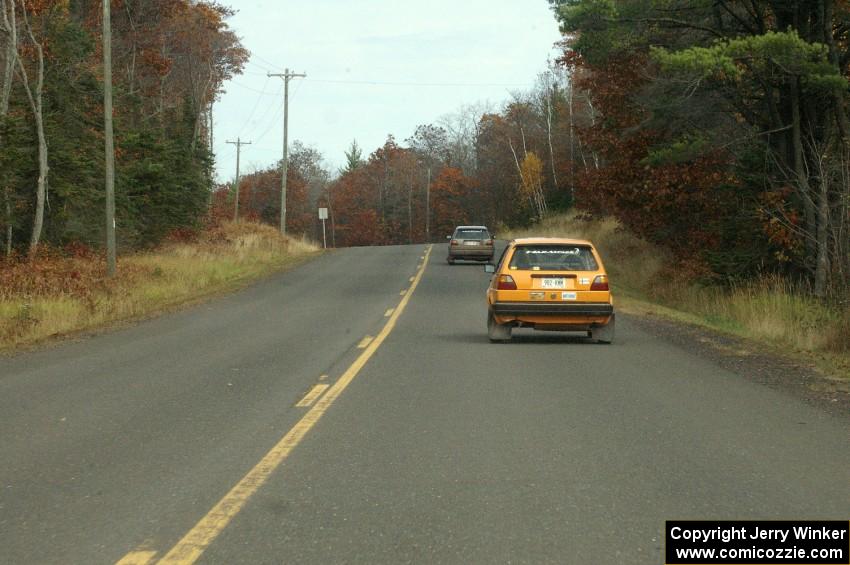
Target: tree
[(353, 158), (733, 82), (531, 183), (36, 101), (8, 56), (171, 58), (452, 193)]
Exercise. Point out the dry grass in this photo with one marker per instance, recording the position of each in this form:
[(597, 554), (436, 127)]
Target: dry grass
[(57, 295), (770, 309)]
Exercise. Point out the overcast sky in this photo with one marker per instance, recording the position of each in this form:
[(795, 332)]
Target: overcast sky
[(374, 67)]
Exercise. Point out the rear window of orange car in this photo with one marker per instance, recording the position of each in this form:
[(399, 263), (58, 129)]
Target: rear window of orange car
[(472, 234), (553, 258)]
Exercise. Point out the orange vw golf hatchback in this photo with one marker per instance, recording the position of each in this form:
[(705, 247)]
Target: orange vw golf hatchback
[(550, 284)]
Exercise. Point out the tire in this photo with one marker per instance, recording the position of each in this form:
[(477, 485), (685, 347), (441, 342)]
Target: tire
[(498, 333), (450, 261), (604, 334)]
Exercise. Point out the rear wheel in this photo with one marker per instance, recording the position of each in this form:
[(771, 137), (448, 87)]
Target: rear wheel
[(498, 333), (450, 261), (604, 334)]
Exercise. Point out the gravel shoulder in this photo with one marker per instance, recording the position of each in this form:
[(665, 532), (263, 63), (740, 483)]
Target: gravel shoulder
[(755, 361)]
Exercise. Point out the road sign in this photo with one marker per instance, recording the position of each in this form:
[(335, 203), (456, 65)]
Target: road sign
[(323, 215)]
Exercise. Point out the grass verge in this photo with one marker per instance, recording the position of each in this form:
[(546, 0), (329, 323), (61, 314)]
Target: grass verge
[(56, 296), (769, 310)]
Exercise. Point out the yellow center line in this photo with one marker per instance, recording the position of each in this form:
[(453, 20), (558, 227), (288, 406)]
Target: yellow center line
[(364, 343), (412, 279), (311, 396), (389, 312), (140, 557), (198, 539), (403, 292)]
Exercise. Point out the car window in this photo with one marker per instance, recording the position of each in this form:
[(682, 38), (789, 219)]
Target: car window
[(501, 259), (472, 234), (553, 258)]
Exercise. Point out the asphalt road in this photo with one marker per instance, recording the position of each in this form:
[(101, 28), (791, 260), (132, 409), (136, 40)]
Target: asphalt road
[(430, 446)]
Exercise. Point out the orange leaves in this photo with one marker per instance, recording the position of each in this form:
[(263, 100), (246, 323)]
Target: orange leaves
[(154, 60), (452, 195), (38, 7), (531, 175), (53, 274)]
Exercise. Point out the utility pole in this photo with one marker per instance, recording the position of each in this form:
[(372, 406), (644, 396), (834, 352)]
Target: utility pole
[(286, 76), (428, 208), (111, 262), (238, 143), (211, 141)]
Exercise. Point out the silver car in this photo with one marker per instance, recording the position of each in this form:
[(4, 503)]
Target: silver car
[(470, 243)]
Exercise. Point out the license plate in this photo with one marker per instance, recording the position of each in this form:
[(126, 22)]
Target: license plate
[(553, 282), (472, 243)]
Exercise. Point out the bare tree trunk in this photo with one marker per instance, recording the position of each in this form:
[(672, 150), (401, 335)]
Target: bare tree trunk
[(822, 266), (549, 135), (593, 123), (842, 227), (36, 104), (131, 70), (410, 212), (201, 111), (516, 159), (9, 32), (801, 173)]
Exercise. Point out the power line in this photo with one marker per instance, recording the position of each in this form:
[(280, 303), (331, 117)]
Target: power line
[(396, 83), (434, 84), (266, 61), (254, 109), (261, 92), (272, 121)]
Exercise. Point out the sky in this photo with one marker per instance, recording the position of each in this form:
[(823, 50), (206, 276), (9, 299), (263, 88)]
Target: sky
[(374, 67)]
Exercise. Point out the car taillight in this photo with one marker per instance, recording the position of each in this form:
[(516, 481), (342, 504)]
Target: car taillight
[(600, 283), (454, 242), (488, 242), (506, 282)]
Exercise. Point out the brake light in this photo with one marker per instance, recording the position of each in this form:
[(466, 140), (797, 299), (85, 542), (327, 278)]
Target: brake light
[(454, 242), (506, 282), (600, 283), (488, 242)]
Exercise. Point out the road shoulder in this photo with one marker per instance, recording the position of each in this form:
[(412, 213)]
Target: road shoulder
[(754, 361)]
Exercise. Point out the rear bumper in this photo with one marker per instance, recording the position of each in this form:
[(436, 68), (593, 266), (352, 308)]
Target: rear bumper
[(471, 252), (556, 309)]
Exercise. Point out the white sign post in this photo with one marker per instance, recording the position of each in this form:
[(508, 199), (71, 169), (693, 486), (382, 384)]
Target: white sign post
[(323, 215)]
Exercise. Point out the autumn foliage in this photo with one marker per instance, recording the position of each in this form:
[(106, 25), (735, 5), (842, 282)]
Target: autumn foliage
[(171, 59), (730, 144)]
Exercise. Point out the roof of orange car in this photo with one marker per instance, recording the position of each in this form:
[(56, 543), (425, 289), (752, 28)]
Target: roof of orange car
[(558, 240)]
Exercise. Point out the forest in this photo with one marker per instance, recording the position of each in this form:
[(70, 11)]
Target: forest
[(171, 58), (715, 129)]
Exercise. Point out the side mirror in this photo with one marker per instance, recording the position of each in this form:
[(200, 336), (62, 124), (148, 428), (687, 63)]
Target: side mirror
[(490, 268)]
